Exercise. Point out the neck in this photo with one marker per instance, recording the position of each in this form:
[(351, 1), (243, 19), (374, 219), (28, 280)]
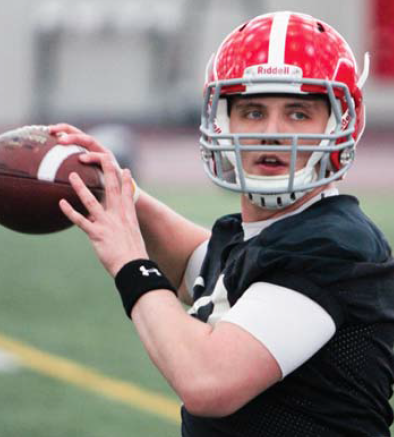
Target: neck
[(254, 213)]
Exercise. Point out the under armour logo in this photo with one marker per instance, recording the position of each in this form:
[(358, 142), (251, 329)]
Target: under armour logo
[(147, 272)]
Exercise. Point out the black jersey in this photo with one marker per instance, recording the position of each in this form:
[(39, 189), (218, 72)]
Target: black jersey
[(332, 253)]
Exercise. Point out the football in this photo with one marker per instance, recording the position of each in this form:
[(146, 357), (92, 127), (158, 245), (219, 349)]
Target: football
[(34, 172)]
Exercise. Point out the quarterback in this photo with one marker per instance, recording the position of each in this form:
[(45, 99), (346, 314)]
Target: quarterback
[(291, 324)]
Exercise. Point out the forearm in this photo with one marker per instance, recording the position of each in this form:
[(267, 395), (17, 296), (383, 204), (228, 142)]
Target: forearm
[(214, 371), (176, 343), (170, 239)]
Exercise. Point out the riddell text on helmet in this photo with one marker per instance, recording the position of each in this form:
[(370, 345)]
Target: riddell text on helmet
[(273, 70)]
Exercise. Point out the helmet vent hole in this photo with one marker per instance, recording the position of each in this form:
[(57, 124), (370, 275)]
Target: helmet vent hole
[(243, 27), (321, 27)]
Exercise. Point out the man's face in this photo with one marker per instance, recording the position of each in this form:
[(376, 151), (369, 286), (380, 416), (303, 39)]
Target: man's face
[(277, 114)]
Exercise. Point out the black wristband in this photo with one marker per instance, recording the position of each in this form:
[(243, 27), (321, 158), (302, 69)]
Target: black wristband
[(138, 277)]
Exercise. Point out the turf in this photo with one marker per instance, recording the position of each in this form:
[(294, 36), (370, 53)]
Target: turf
[(56, 297)]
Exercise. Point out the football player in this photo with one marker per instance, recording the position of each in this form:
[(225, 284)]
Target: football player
[(291, 325)]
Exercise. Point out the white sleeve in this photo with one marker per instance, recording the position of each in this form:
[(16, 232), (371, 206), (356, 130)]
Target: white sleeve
[(194, 266), (291, 326)]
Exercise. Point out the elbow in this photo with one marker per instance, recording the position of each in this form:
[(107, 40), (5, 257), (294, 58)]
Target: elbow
[(208, 399)]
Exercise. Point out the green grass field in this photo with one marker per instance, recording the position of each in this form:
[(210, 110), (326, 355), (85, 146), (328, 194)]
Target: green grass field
[(56, 298)]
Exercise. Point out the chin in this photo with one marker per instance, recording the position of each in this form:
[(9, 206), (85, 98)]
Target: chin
[(263, 170)]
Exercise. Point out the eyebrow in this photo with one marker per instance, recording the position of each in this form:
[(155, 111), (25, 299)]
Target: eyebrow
[(303, 104), (291, 105)]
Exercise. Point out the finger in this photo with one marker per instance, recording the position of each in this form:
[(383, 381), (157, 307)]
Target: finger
[(111, 181), (91, 204), (128, 189), (81, 139), (98, 159), (94, 157), (61, 128), (75, 217), (90, 158)]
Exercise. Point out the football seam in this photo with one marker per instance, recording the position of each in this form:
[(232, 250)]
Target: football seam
[(20, 176)]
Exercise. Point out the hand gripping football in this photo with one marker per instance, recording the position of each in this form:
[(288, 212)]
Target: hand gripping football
[(34, 172)]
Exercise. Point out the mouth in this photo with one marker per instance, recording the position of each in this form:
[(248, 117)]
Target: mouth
[(270, 165), (271, 161)]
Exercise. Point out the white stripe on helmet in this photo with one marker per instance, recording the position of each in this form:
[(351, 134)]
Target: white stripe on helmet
[(276, 54)]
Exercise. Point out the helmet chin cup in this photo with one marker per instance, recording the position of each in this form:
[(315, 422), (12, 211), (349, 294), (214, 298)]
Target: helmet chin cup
[(276, 201)]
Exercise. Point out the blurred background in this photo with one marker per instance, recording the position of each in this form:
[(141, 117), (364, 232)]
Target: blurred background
[(133, 70), (131, 73)]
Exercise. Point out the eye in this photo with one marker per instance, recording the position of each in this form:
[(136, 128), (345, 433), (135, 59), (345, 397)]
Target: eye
[(253, 114), (298, 115)]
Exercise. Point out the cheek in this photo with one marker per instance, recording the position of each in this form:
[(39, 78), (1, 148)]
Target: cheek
[(231, 125), (247, 161), (240, 125), (302, 159), (235, 125)]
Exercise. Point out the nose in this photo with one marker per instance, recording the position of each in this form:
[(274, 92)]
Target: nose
[(273, 126)]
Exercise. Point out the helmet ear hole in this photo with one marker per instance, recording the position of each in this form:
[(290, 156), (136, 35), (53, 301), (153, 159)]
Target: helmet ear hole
[(320, 27)]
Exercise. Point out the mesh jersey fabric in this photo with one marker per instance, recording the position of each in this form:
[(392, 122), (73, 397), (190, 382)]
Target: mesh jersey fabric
[(335, 255)]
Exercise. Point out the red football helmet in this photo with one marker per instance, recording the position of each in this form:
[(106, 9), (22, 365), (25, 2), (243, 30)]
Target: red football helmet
[(283, 53)]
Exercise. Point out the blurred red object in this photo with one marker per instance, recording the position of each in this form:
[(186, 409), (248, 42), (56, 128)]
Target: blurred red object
[(383, 39)]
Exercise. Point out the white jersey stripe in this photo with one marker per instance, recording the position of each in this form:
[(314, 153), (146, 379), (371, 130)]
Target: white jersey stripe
[(276, 53), (54, 159)]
